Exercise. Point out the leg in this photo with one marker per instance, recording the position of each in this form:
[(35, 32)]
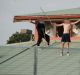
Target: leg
[(39, 40), (67, 43), (63, 43), (47, 38), (62, 48), (68, 48)]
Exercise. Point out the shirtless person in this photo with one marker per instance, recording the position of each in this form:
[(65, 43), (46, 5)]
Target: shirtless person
[(66, 34)]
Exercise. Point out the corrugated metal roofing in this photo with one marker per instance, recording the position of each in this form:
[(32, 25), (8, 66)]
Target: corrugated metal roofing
[(49, 61)]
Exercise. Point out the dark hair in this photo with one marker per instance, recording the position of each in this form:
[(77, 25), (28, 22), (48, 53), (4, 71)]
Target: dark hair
[(66, 19)]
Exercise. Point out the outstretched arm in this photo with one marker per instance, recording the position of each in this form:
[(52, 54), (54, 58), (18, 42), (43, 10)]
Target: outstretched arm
[(75, 22), (58, 24)]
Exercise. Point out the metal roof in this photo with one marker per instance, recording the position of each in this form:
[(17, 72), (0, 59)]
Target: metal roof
[(73, 13), (49, 60), (59, 12)]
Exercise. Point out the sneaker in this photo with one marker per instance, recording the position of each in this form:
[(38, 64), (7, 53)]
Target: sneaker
[(61, 54), (68, 54)]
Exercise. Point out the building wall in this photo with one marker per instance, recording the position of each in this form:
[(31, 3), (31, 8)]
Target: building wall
[(26, 31), (53, 34)]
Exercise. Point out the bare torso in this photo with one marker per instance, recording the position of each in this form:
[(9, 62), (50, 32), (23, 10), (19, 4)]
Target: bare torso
[(66, 27)]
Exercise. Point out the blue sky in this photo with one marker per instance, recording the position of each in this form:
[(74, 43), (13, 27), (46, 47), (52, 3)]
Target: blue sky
[(10, 8)]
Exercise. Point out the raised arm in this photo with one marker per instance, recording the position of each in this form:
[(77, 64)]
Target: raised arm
[(32, 22), (75, 22)]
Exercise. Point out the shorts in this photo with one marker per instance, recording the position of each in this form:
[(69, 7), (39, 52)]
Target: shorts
[(66, 37)]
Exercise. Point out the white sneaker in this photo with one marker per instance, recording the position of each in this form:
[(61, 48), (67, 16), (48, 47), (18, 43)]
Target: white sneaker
[(68, 54), (61, 54)]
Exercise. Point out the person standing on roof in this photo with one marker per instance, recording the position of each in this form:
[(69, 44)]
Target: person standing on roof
[(40, 26), (66, 33)]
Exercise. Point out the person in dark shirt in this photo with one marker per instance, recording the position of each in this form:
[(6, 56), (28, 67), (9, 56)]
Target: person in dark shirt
[(40, 26)]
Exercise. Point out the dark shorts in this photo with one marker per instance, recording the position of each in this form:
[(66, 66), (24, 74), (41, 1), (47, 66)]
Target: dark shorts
[(66, 38)]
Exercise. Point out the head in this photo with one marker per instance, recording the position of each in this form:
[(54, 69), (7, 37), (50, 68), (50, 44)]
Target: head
[(66, 21), (41, 19)]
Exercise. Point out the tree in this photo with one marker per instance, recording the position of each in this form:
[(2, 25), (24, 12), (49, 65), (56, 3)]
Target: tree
[(78, 25), (19, 37)]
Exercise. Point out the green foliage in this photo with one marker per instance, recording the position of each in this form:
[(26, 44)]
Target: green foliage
[(19, 37), (48, 26), (78, 25)]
